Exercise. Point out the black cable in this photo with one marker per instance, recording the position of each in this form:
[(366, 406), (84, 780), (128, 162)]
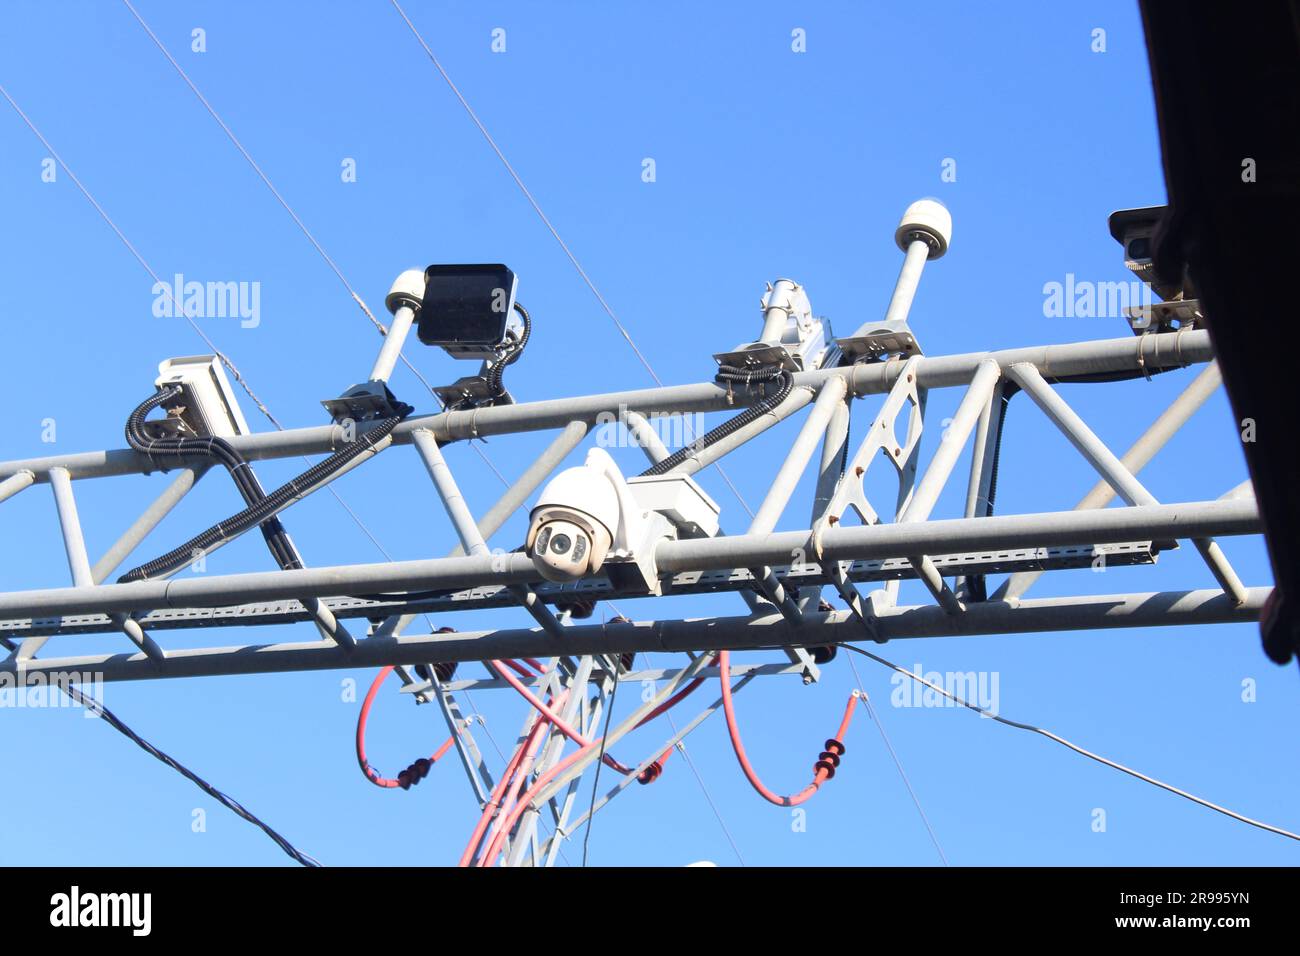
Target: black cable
[(591, 812), (255, 514), (496, 375), (732, 375), (218, 449), (225, 800)]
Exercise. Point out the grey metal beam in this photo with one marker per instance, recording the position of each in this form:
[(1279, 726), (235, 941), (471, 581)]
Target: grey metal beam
[(1139, 454), (1161, 350), (401, 610), (74, 543), (1032, 615), (639, 427), (926, 493), (796, 460), (16, 482), (1155, 522), (1112, 469), (510, 501), (471, 539), (701, 458), (160, 507)]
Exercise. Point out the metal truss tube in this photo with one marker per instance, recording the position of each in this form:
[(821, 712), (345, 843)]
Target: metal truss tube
[(832, 458), (645, 435), (950, 536), (988, 433), (954, 440), (797, 399), (161, 507), (1242, 492), (568, 439), (1035, 615), (391, 350), (909, 278), (471, 539), (1182, 408), (1139, 455), (1160, 350), (932, 483), (1080, 435), (16, 482), (74, 543), (540, 613), (1113, 470), (830, 398), (1222, 570), (953, 535), (330, 626)]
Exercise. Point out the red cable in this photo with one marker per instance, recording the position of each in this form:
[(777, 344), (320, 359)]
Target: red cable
[(494, 801), (524, 768), (553, 717), (519, 669), (494, 848), (823, 770), (371, 774)]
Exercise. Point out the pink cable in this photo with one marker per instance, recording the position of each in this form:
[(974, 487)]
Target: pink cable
[(494, 800), (553, 717), (363, 718), (535, 744), (824, 769), (519, 669), (494, 848)]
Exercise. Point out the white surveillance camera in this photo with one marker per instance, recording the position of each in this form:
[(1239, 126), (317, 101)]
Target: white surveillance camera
[(581, 515), (575, 521)]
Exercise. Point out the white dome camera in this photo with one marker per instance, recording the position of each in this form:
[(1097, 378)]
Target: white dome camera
[(581, 515)]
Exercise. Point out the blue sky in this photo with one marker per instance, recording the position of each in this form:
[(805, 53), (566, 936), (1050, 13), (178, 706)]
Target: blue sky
[(768, 163)]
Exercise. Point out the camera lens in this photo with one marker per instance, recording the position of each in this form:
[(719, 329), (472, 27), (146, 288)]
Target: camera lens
[(1140, 248), (560, 543)]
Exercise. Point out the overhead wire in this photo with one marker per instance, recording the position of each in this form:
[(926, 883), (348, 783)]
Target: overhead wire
[(1114, 765), (94, 706), (871, 711), (222, 356), (595, 779), (338, 272), (532, 201), (329, 261)]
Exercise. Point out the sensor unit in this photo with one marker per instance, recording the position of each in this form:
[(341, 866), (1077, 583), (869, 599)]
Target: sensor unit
[(207, 404), (466, 309)]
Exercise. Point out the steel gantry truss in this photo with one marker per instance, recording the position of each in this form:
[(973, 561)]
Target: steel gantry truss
[(781, 575)]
